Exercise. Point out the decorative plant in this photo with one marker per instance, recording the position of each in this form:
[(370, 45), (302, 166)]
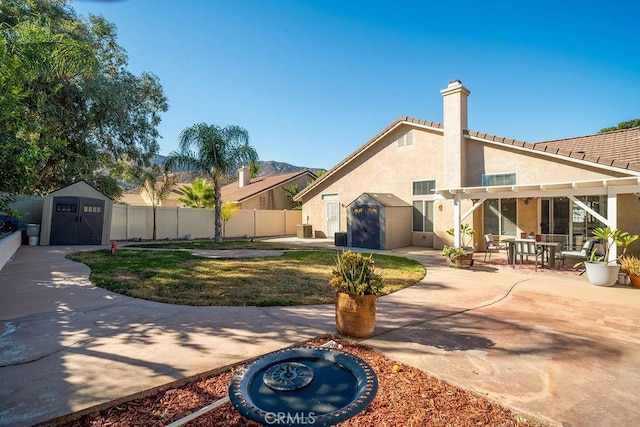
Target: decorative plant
[(613, 236), (609, 237), (630, 265), (453, 253), (355, 274), (466, 233)]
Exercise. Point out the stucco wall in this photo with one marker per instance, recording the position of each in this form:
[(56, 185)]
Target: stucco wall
[(386, 168)]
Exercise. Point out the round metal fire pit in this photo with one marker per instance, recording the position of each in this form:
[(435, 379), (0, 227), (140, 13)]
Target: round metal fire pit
[(303, 386)]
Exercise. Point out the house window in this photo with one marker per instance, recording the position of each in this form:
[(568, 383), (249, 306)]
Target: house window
[(423, 215), (500, 217), (405, 139), (493, 180), (423, 188)]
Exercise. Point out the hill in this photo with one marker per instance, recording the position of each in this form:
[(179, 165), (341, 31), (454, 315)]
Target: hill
[(267, 168)]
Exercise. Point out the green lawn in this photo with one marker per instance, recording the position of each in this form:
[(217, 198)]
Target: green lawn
[(300, 277)]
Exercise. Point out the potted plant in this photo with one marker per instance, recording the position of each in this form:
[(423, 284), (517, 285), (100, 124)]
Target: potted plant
[(462, 256), (600, 270), (457, 257), (631, 266), (357, 286)]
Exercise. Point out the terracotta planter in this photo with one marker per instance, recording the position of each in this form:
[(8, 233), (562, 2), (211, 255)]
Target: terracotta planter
[(355, 314), (602, 274), (635, 281)]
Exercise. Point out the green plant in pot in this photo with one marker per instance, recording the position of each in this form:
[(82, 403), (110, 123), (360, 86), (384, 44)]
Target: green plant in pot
[(357, 286), (630, 265), (466, 236), (601, 270)]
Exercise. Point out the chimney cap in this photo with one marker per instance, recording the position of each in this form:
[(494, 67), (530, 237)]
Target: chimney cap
[(455, 82)]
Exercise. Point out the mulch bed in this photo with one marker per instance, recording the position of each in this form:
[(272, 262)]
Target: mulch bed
[(406, 397)]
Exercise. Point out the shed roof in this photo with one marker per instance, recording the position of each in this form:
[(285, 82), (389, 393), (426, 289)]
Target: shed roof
[(385, 199)]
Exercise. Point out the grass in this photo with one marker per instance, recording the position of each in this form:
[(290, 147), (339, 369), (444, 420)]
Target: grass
[(299, 277)]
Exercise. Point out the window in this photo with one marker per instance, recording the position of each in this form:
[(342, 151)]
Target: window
[(92, 209), (500, 217), (405, 139), (64, 207), (498, 179), (423, 188), (423, 215)]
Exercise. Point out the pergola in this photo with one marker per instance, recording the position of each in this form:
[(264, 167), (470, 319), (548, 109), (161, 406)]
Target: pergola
[(610, 187)]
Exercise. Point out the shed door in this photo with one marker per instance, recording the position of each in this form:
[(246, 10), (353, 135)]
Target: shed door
[(365, 227), (77, 221)]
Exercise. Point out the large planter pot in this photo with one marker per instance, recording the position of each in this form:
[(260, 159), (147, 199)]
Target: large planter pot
[(355, 314), (602, 274), (635, 281), (462, 261)]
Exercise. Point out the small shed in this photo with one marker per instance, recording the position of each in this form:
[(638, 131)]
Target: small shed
[(76, 215), (379, 221)]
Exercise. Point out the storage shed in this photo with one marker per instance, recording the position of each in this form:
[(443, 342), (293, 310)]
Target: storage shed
[(76, 215), (379, 221)]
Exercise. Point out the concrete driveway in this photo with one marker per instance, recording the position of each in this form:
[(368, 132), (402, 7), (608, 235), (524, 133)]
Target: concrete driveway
[(551, 346)]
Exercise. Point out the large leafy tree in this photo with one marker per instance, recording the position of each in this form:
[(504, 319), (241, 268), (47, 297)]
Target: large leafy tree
[(214, 151), (69, 108)]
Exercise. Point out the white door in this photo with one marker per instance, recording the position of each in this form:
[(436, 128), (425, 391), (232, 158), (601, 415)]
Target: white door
[(333, 218)]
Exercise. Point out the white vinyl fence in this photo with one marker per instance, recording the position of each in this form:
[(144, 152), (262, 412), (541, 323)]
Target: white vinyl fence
[(136, 222)]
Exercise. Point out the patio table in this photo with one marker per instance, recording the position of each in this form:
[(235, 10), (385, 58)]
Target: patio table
[(548, 247)]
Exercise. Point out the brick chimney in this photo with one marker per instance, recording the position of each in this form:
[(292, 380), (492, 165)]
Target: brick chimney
[(244, 176), (455, 122)]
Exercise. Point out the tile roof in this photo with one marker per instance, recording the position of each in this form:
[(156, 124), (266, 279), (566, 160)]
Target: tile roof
[(233, 193), (619, 149)]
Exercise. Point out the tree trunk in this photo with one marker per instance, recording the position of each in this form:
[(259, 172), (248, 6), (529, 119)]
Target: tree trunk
[(217, 214), (154, 221)]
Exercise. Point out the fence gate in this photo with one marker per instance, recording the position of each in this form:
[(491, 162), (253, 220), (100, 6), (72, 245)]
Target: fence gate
[(77, 221)]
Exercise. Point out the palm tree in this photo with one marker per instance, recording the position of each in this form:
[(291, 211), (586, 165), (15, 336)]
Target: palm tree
[(198, 195), (158, 184), (214, 151)]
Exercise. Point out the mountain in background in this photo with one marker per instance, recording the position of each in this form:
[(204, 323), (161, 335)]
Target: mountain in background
[(267, 168)]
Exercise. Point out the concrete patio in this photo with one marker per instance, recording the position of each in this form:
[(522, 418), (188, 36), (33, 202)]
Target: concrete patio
[(549, 345)]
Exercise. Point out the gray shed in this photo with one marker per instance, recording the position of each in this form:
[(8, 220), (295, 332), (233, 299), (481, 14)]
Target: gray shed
[(76, 215), (379, 221)]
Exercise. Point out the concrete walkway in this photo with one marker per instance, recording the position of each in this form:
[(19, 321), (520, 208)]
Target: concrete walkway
[(551, 346)]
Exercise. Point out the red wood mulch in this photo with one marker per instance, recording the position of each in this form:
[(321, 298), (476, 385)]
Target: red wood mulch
[(406, 397)]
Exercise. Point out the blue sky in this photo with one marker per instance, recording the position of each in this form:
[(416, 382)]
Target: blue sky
[(313, 80)]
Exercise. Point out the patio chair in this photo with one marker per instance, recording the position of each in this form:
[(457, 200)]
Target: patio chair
[(526, 248), (580, 255), (492, 246)]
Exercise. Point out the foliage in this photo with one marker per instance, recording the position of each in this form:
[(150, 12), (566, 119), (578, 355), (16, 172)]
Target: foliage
[(299, 277), (622, 125), (197, 195), (291, 191), (453, 253), (466, 234), (214, 151), (158, 184), (630, 265), (254, 168), (355, 274), (229, 209), (69, 108), (609, 237)]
